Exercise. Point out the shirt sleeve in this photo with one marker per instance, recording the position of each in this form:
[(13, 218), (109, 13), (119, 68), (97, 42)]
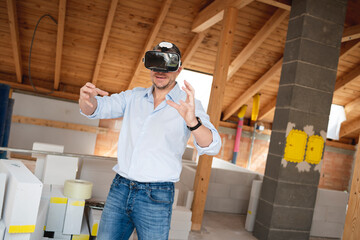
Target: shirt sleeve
[(110, 106), (215, 146)]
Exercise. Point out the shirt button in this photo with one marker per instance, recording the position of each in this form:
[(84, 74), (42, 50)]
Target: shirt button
[(132, 183)]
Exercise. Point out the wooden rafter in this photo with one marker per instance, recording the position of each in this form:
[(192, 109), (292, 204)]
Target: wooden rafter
[(58, 124), (264, 112), (347, 48), (150, 40), (269, 75), (284, 4), (64, 95), (214, 13), (345, 80), (59, 42), (352, 223), (193, 46), (14, 32), (203, 170), (105, 38), (257, 40), (349, 127), (352, 105), (351, 33)]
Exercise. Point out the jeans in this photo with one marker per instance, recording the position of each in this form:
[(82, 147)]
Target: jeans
[(144, 206)]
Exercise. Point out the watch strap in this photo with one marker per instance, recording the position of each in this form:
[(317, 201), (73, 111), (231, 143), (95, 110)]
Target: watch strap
[(196, 126)]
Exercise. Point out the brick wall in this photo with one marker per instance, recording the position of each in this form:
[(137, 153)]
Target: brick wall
[(335, 171)]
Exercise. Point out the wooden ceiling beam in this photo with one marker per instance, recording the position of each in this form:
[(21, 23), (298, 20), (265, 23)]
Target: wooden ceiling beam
[(351, 33), (264, 112), (257, 40), (283, 4), (203, 170), (348, 47), (150, 40), (348, 127), (59, 94), (214, 13), (59, 42), (243, 98), (193, 46), (345, 80), (104, 40), (14, 33), (352, 105)]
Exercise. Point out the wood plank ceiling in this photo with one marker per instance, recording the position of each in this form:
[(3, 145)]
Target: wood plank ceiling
[(104, 41)]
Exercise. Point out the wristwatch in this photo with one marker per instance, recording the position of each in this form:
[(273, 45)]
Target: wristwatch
[(196, 126)]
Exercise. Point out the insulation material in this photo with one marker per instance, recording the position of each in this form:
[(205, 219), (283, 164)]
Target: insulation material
[(84, 233), (253, 204), (100, 173), (180, 225), (22, 197), (94, 220), (56, 212), (17, 236), (2, 191), (73, 216), (57, 169), (2, 229), (41, 219), (40, 162)]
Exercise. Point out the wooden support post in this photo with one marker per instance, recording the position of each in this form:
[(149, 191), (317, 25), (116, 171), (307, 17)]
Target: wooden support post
[(352, 221), (203, 170), (59, 42)]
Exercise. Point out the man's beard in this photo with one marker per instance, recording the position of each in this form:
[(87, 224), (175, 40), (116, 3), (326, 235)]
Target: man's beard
[(163, 87)]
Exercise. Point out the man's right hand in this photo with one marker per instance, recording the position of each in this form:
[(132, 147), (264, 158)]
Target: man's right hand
[(87, 100)]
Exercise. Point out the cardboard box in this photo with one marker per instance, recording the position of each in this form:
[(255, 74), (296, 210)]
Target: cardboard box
[(57, 208), (22, 197), (94, 220), (40, 162), (84, 233), (73, 216), (57, 169)]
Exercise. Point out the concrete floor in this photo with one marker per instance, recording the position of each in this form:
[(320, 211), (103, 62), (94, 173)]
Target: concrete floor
[(225, 226)]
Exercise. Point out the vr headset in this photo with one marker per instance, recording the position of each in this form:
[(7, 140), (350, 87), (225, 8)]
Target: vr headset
[(162, 61)]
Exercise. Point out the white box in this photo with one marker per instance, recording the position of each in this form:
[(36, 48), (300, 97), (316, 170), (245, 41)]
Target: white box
[(16, 236), (73, 216), (2, 229), (94, 220), (56, 212), (100, 173), (60, 235), (2, 191), (41, 219), (40, 162), (189, 199), (22, 197), (176, 196), (84, 233), (57, 169), (181, 214)]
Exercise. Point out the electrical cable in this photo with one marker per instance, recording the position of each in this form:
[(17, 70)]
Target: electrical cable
[(32, 41)]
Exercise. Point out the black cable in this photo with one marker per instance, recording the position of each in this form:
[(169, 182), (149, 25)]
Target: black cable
[(32, 41)]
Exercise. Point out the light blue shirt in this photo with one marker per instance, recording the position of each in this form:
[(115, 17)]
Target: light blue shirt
[(152, 141)]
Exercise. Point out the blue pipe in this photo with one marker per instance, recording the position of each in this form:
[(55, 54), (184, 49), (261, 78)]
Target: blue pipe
[(7, 127), (4, 100)]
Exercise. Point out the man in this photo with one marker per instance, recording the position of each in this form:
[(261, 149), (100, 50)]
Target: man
[(157, 123)]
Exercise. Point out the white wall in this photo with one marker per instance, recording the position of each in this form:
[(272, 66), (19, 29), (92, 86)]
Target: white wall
[(23, 135)]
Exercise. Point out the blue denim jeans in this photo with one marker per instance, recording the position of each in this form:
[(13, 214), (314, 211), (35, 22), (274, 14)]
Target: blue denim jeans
[(144, 206)]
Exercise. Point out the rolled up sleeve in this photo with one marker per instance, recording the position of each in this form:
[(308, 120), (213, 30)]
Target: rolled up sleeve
[(215, 145)]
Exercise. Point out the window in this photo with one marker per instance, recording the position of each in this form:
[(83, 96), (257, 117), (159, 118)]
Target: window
[(201, 83)]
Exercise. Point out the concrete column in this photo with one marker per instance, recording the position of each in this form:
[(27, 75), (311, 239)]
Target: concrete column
[(298, 136)]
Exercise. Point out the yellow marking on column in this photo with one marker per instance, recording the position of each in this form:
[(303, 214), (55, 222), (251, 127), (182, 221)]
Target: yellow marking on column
[(78, 203), (58, 200), (94, 229), (22, 229), (81, 237), (314, 149), (295, 146)]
